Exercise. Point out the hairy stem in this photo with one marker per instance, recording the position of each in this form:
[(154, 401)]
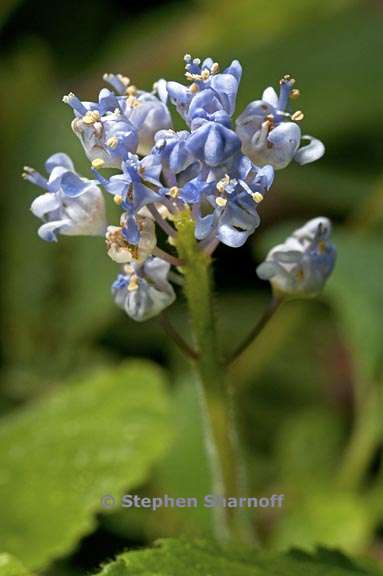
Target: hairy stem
[(216, 403)]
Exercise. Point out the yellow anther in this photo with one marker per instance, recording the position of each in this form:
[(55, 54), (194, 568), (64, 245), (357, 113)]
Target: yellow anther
[(118, 199), (91, 117), (189, 76), (131, 90), (174, 191), (112, 142), (257, 197), (194, 88), (128, 269), (300, 275), (133, 283), (221, 202), (205, 74), (98, 163), (294, 94), (322, 247), (215, 68), (221, 184), (297, 116), (171, 241)]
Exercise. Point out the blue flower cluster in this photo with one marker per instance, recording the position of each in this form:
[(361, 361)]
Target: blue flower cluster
[(218, 169)]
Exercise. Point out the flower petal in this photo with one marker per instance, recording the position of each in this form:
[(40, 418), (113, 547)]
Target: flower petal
[(59, 159), (310, 152)]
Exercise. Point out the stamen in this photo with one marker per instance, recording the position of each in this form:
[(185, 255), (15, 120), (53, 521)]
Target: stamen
[(221, 184), (174, 191), (112, 142), (322, 247), (221, 202), (98, 163), (191, 77), (133, 283), (133, 102), (131, 90), (297, 116), (215, 68), (91, 117), (295, 93), (257, 197), (118, 199), (194, 88), (205, 74)]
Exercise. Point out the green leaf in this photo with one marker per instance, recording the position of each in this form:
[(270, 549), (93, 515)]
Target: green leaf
[(184, 471), (356, 290), (308, 447), (59, 457), (180, 557), (328, 518), (10, 566)]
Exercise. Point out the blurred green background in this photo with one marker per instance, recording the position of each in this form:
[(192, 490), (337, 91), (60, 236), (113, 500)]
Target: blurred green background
[(309, 391)]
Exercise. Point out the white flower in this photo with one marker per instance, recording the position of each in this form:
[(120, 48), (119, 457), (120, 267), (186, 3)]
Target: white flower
[(119, 248)]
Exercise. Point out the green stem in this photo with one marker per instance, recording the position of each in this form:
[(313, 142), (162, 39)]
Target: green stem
[(216, 404), (363, 441)]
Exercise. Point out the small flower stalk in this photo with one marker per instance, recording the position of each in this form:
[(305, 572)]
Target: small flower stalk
[(181, 193)]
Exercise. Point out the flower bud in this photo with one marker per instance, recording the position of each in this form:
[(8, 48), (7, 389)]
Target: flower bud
[(301, 265)]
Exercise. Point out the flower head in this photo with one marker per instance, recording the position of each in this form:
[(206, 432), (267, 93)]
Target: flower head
[(215, 173), (301, 265), (144, 291), (71, 205)]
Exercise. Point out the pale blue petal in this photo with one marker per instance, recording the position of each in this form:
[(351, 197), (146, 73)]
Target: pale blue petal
[(44, 204), (310, 152), (59, 159)]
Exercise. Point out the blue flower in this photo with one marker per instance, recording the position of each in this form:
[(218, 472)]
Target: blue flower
[(234, 202), (121, 122), (176, 159), (301, 265), (106, 135), (143, 291), (148, 115), (211, 140), (271, 135), (71, 205), (136, 187)]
